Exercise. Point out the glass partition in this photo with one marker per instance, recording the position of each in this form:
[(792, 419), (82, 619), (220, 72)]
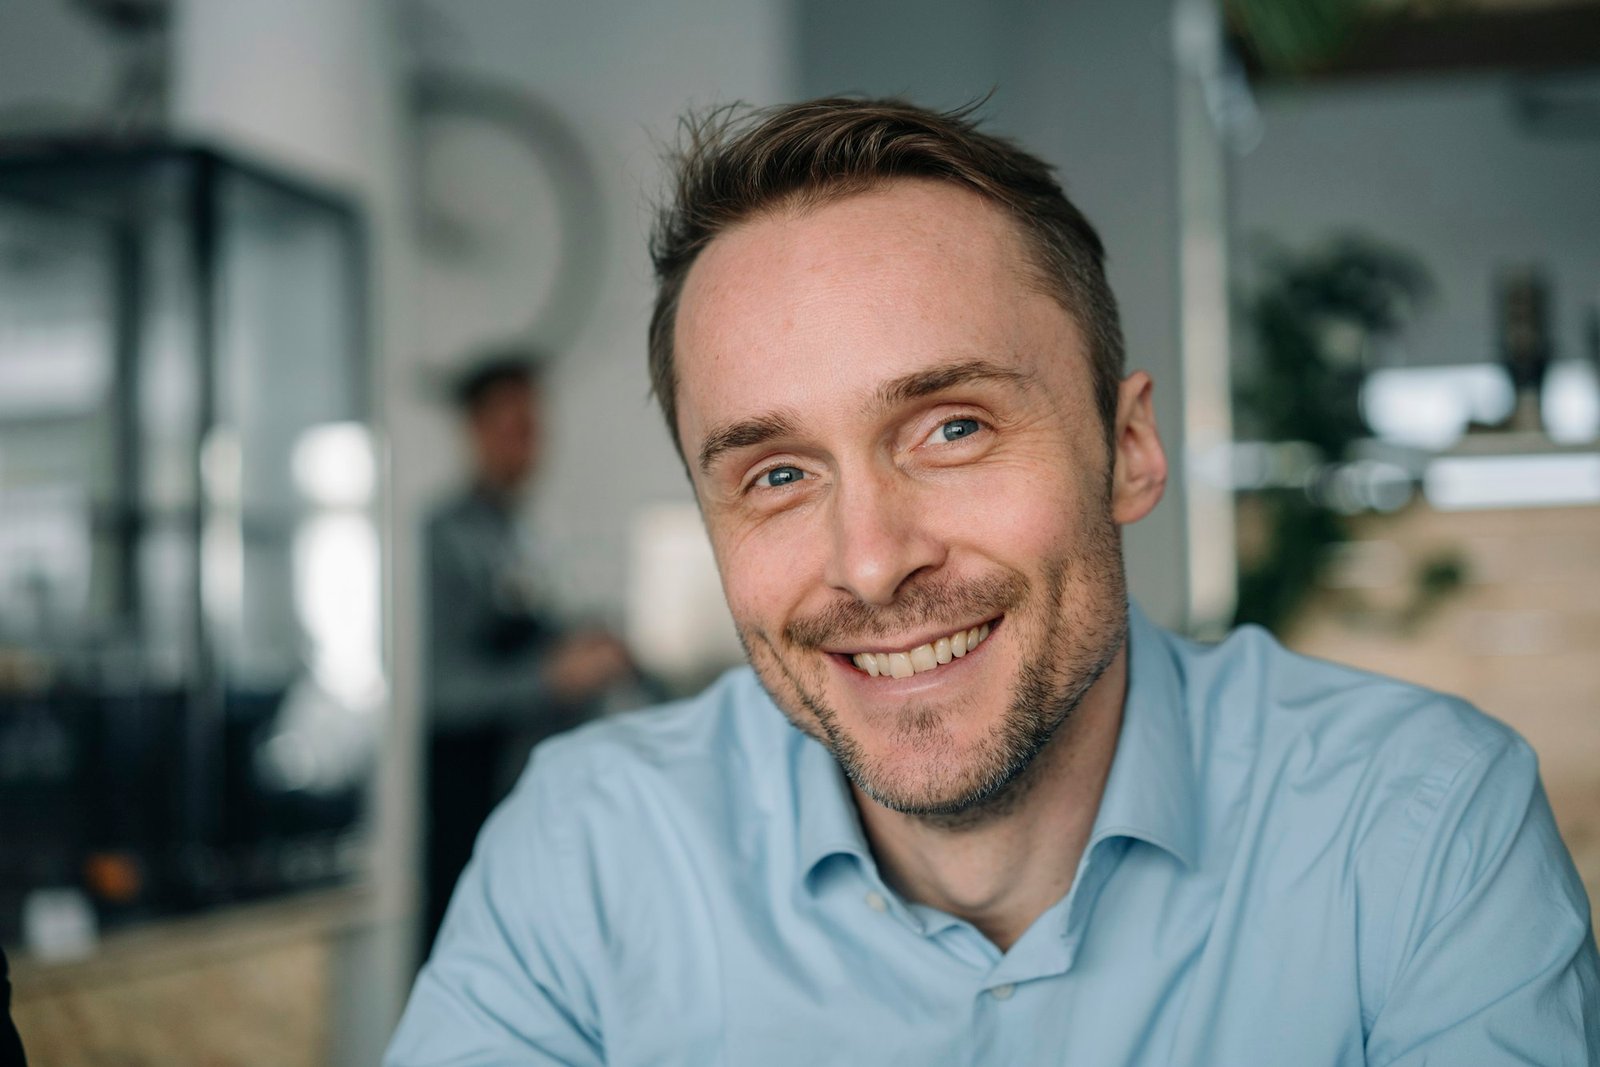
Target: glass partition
[(190, 681)]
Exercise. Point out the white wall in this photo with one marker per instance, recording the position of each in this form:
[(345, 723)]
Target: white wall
[(1441, 167)]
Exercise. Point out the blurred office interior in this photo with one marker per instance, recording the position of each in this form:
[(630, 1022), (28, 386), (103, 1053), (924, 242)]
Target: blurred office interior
[(1356, 242)]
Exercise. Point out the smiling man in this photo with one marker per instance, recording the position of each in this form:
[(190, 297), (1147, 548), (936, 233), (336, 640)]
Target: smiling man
[(969, 807)]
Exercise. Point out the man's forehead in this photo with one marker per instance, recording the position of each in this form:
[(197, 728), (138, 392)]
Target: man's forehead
[(898, 248), (898, 277)]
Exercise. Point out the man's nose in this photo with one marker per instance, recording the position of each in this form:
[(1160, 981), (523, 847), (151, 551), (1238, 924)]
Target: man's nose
[(883, 533)]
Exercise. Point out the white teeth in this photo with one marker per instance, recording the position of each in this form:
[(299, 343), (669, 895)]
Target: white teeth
[(923, 657)]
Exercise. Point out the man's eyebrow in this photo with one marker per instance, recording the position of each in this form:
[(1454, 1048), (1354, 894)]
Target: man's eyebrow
[(774, 424), (937, 379), (743, 434)]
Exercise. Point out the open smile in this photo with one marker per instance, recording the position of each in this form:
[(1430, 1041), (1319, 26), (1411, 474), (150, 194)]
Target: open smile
[(928, 656)]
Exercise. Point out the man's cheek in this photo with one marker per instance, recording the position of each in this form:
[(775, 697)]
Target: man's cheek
[(744, 603), (759, 586)]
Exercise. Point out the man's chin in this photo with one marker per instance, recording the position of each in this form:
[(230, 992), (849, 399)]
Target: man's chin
[(927, 784), (919, 759), (923, 803)]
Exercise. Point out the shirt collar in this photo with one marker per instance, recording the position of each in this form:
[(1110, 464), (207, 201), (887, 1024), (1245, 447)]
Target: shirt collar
[(1150, 793), (827, 821)]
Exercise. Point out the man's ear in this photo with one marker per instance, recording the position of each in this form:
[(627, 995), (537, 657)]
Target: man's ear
[(1139, 474)]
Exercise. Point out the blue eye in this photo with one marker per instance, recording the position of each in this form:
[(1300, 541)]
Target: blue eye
[(781, 476), (956, 429)]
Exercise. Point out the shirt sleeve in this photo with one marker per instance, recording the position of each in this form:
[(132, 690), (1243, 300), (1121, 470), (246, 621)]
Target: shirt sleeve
[(506, 985), (1493, 956)]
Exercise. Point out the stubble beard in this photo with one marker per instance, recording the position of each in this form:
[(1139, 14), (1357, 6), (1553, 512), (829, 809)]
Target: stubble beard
[(1078, 611)]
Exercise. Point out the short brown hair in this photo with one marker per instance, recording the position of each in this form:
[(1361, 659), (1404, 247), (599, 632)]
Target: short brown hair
[(736, 163)]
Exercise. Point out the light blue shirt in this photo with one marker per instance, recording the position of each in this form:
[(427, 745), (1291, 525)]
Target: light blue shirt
[(1294, 864)]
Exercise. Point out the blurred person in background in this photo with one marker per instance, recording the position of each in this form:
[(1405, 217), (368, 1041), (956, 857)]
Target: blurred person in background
[(503, 671), (968, 805)]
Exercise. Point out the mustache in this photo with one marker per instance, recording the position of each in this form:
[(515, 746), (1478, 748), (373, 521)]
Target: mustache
[(849, 621)]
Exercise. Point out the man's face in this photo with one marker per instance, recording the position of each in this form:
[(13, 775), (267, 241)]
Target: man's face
[(892, 434), (504, 428)]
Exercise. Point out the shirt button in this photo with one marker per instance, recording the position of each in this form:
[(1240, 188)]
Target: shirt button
[(876, 902), (1003, 992)]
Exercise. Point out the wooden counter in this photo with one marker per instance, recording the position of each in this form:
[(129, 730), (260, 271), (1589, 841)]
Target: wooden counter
[(238, 987)]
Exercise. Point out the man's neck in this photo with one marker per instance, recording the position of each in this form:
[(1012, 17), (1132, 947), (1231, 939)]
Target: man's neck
[(1001, 872)]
